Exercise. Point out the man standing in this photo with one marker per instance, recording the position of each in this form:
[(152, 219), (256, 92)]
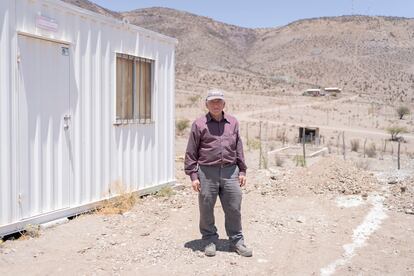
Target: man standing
[(214, 160)]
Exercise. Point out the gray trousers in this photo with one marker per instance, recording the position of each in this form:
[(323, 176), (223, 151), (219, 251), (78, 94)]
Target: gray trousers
[(223, 182)]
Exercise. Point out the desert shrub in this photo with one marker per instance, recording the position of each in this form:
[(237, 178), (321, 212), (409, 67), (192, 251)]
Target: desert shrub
[(194, 99), (165, 192), (402, 111), (281, 136), (279, 160), (394, 131), (182, 125), (30, 231), (254, 144), (271, 147), (300, 161), (329, 146), (371, 151), (122, 202), (355, 145), (362, 164)]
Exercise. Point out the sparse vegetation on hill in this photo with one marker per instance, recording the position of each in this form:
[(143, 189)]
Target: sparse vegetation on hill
[(361, 54)]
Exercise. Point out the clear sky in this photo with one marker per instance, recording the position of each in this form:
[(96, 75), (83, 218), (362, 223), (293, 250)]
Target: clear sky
[(267, 13)]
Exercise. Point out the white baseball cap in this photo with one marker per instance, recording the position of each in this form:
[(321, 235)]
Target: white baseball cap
[(214, 94)]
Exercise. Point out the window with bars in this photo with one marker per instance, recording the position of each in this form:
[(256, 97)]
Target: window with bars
[(133, 89)]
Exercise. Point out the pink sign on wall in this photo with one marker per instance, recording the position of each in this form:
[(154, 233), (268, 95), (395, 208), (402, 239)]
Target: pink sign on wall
[(46, 23)]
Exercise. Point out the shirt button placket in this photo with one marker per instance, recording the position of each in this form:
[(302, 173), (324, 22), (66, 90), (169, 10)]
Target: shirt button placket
[(221, 144), (221, 150)]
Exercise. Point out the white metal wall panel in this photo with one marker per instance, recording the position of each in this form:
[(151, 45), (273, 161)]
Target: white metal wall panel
[(102, 156), (6, 197)]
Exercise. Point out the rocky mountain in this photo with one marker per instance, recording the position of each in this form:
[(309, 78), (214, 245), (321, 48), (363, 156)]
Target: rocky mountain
[(93, 7), (361, 54)]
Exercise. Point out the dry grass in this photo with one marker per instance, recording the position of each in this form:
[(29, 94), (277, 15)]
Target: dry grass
[(299, 160), (181, 125), (194, 99), (282, 136), (279, 160), (371, 151), (362, 164), (122, 202), (30, 231), (355, 145), (165, 192), (254, 144)]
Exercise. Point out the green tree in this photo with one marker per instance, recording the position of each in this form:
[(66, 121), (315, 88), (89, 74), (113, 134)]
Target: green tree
[(395, 130), (402, 111)]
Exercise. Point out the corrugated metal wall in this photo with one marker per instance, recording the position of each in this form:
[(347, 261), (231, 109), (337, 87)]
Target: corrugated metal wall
[(8, 120), (102, 156), (8, 196)]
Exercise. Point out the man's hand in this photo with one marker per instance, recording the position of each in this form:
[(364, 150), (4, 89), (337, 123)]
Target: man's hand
[(242, 180), (196, 185)]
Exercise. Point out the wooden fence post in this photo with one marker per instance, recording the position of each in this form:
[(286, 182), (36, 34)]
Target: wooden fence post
[(343, 143), (337, 143), (303, 144), (260, 144), (365, 143), (399, 146), (247, 136)]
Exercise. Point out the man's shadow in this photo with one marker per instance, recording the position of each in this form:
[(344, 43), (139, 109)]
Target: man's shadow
[(199, 245)]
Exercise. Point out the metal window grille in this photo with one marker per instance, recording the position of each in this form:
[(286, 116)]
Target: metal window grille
[(134, 77)]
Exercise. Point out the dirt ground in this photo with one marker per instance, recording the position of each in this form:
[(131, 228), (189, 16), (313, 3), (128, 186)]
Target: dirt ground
[(332, 217)]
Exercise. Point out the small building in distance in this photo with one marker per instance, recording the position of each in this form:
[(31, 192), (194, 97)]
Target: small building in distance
[(331, 90), (311, 135), (315, 92)]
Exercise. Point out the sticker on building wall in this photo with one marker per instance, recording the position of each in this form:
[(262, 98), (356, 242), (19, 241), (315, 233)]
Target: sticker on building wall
[(65, 51), (46, 23)]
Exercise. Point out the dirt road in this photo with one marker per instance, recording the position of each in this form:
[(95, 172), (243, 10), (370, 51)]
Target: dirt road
[(247, 115)]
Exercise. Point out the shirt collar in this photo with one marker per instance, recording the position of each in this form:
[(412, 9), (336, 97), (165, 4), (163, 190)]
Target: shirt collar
[(225, 117)]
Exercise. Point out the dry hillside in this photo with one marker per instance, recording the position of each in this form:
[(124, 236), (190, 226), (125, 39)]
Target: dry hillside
[(365, 55), (372, 55), (93, 7)]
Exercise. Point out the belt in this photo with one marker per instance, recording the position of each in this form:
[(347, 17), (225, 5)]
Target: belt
[(222, 165)]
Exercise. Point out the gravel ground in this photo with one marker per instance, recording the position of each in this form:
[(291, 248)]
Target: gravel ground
[(291, 219)]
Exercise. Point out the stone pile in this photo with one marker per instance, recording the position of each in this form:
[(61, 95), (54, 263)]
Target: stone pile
[(401, 196), (331, 175)]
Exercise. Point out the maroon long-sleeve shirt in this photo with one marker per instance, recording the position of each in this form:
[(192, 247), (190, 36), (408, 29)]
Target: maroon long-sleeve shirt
[(214, 143)]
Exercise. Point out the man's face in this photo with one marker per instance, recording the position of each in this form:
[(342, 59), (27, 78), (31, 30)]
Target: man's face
[(215, 107)]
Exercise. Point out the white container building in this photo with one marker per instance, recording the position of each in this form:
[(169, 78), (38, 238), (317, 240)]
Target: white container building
[(86, 110)]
